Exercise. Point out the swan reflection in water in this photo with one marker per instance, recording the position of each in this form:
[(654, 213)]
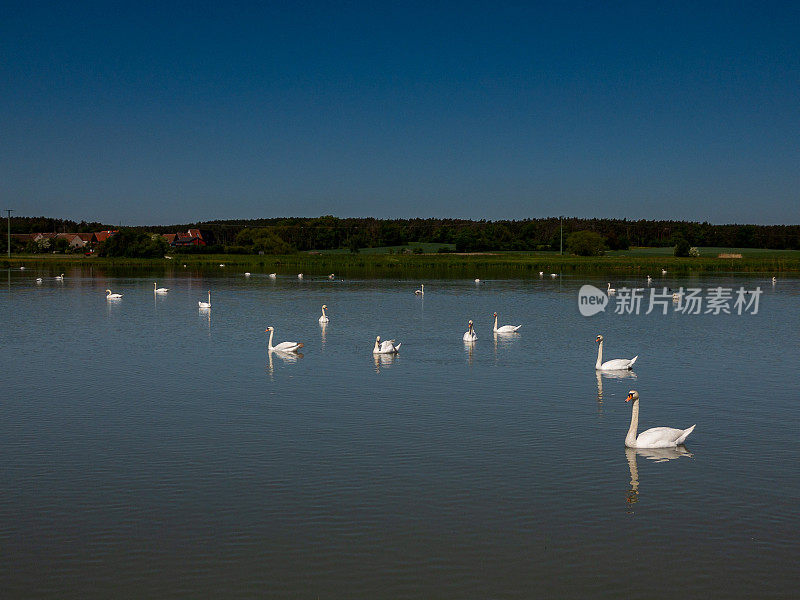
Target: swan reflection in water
[(622, 374), (656, 455), (469, 348), (286, 357), (383, 360), (323, 326)]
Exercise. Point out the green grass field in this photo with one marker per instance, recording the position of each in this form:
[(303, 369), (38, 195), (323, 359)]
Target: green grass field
[(637, 262)]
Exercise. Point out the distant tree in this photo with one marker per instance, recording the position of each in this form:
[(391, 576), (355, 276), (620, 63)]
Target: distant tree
[(133, 243), (585, 243), (262, 239), (682, 247)]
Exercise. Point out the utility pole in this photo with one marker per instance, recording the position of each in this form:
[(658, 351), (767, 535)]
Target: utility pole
[(561, 223), (9, 211)]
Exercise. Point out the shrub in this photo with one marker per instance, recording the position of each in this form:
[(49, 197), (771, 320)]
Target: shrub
[(681, 247), (586, 243)]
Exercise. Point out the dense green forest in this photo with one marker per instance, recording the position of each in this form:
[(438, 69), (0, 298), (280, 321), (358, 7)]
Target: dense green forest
[(282, 235)]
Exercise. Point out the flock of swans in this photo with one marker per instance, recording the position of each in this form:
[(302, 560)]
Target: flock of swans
[(654, 438)]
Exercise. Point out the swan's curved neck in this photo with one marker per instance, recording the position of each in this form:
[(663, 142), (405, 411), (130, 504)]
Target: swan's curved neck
[(269, 344), (630, 439), (323, 311), (495, 322), (377, 346), (599, 355)]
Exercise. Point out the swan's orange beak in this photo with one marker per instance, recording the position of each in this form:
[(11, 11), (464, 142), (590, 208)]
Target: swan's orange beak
[(629, 398)]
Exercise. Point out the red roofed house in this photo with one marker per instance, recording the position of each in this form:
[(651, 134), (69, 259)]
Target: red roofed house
[(193, 237)]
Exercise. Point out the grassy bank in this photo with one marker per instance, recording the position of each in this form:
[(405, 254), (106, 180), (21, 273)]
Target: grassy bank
[(637, 262)]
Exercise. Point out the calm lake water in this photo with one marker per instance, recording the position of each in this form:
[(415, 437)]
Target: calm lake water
[(153, 451)]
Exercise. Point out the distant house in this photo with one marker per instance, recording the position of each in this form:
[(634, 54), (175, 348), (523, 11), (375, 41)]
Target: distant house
[(192, 237), (73, 239), (102, 236)]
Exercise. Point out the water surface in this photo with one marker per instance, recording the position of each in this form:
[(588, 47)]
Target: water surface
[(153, 450)]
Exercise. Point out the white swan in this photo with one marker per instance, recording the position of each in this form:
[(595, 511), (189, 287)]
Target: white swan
[(649, 280), (657, 437), (469, 334), (385, 347), (553, 275), (110, 296), (774, 280), (663, 271), (202, 304), (331, 276), (283, 346), (324, 318), (39, 280), (60, 277), (611, 291), (221, 265), (504, 328), (611, 365), (299, 275), (158, 290), (273, 275), (421, 290), (247, 273), (541, 273), (23, 268), (477, 280)]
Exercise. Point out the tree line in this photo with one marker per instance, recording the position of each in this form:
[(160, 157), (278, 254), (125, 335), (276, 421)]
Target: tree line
[(285, 235)]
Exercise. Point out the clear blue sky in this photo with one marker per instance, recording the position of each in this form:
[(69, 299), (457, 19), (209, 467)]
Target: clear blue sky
[(166, 112)]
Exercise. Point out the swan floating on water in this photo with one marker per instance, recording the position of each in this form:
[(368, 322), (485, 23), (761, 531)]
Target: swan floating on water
[(611, 365), (611, 291), (39, 280), (469, 334), (504, 328), (111, 296), (247, 273), (283, 346), (421, 290), (60, 277), (299, 275), (273, 275), (158, 290), (663, 271), (385, 347), (331, 276), (477, 280), (324, 318), (202, 304), (553, 275), (657, 437)]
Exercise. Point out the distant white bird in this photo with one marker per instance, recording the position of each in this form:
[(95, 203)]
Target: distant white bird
[(39, 280), (247, 273), (60, 277), (331, 276), (324, 318), (657, 437), (273, 275), (504, 328), (649, 280), (299, 275), (110, 296), (158, 290), (663, 271), (616, 364), (469, 334), (774, 280), (477, 280), (385, 347), (611, 291), (553, 275), (184, 266), (221, 265), (283, 346), (22, 268), (541, 273), (202, 304), (421, 290)]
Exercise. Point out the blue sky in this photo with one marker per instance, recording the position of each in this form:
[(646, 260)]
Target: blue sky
[(145, 113)]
